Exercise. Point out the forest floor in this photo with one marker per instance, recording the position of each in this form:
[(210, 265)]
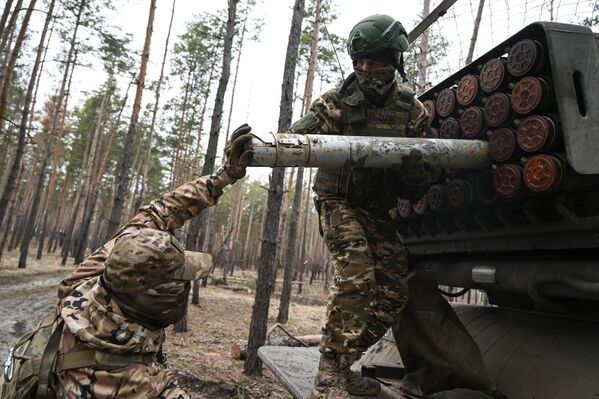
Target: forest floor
[(201, 355)]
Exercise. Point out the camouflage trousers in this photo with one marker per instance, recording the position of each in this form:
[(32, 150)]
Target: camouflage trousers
[(369, 288), (134, 382)]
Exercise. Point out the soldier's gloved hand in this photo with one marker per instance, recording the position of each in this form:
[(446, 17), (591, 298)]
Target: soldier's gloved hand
[(415, 171), (239, 152)]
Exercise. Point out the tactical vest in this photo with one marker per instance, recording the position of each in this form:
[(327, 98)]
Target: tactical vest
[(367, 187)]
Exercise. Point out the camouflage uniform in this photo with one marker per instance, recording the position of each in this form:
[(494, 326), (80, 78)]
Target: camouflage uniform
[(108, 308), (369, 287)]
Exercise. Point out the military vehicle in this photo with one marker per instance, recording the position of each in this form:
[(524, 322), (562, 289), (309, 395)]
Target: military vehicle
[(520, 223)]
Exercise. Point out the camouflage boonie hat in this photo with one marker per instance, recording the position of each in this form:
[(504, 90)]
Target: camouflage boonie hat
[(147, 258)]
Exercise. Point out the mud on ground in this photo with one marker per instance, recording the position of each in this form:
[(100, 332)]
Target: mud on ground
[(201, 355)]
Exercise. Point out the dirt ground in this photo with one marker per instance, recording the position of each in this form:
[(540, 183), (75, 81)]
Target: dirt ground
[(200, 355)]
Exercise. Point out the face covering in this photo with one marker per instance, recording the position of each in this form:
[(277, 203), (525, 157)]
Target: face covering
[(376, 83)]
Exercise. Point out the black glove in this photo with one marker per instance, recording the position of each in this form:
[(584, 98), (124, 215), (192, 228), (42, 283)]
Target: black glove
[(415, 171), (239, 152)]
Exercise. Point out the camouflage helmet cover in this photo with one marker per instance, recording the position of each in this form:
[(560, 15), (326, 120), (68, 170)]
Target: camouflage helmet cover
[(147, 258), (375, 35)]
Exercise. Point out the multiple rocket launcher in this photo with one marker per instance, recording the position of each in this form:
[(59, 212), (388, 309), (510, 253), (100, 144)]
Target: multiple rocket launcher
[(509, 102), (496, 132)]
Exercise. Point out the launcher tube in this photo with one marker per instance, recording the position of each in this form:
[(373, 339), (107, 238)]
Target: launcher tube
[(329, 151)]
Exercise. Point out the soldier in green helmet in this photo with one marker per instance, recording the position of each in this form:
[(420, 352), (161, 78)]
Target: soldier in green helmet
[(371, 264), (369, 288)]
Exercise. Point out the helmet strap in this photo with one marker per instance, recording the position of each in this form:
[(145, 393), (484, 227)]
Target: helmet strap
[(401, 69)]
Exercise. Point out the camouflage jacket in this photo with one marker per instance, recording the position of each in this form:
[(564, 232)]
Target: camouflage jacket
[(94, 318), (345, 110)]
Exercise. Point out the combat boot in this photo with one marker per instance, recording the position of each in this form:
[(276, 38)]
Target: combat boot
[(335, 380)]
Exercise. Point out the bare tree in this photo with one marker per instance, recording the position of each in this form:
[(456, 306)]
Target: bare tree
[(264, 285)]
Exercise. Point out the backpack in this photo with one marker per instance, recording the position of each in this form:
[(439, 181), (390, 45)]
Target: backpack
[(26, 372)]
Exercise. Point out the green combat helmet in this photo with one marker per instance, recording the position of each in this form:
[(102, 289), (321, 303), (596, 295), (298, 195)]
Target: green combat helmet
[(377, 34)]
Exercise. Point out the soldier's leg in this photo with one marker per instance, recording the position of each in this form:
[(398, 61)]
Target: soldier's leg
[(348, 307), (354, 281), (391, 271)]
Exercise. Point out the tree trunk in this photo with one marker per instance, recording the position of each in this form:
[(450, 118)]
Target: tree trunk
[(11, 182), (304, 244), (104, 164), (290, 258), (94, 186), (248, 234), (423, 56), (6, 33), (142, 194), (196, 159), (12, 61), (124, 168), (12, 211), (220, 91), (313, 57), (197, 228), (264, 286), (61, 205), (243, 30), (55, 161), (5, 13), (47, 205), (39, 75), (180, 135), (474, 37), (283, 220), (30, 224), (21, 208)]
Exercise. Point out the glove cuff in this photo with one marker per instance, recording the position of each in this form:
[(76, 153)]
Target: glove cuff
[(223, 177)]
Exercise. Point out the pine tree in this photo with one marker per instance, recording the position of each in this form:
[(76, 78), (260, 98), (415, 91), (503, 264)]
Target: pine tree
[(264, 285)]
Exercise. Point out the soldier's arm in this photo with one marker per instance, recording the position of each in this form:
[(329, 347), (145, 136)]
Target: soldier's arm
[(420, 175), (417, 122), (323, 116), (168, 212)]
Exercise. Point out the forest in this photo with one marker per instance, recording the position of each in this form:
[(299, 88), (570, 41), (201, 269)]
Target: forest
[(78, 160)]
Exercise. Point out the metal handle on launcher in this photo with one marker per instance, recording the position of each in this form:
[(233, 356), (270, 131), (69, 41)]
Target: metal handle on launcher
[(329, 151)]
